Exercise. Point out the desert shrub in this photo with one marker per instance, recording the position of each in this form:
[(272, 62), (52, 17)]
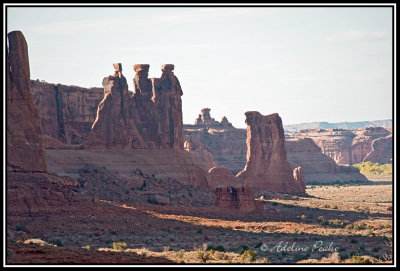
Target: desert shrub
[(359, 259), (200, 231), (302, 217), (166, 249), (243, 248), (353, 241), (56, 242), (249, 256), (333, 258), (220, 248), (20, 227), (335, 207), (376, 249), (202, 255), (327, 206), (359, 226), (180, 254), (337, 222), (119, 246), (86, 247), (221, 255)]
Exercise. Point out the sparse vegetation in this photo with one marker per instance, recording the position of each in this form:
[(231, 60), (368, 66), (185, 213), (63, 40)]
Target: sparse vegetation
[(249, 256), (359, 260), (374, 169), (120, 246)]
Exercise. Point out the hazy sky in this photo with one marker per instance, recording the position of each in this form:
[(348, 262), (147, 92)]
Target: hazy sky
[(307, 64)]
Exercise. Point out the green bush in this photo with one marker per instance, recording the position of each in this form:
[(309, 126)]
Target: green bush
[(119, 246), (359, 259), (249, 256)]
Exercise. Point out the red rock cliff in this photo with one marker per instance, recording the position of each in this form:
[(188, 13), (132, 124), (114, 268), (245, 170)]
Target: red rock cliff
[(25, 150), (267, 166)]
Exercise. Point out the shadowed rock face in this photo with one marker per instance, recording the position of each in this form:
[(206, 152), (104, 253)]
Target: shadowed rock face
[(151, 118), (237, 199), (67, 112), (25, 150), (267, 166), (114, 126)]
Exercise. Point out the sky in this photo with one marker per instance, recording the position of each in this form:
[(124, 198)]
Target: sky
[(308, 64)]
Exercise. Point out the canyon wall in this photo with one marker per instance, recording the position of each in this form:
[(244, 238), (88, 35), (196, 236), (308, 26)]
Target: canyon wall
[(25, 149), (67, 112)]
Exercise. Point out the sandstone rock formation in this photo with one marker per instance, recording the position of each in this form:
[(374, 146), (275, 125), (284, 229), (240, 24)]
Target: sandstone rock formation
[(237, 199), (298, 175), (151, 118), (25, 150), (346, 147), (267, 166), (67, 112), (221, 176), (114, 125), (206, 121), (318, 167), (195, 147)]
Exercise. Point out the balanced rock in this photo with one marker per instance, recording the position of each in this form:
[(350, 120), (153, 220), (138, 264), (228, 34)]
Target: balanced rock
[(267, 166), (25, 149)]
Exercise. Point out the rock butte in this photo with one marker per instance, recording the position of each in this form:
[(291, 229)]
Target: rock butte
[(267, 166)]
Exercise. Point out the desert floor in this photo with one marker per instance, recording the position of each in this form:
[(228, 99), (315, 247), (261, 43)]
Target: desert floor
[(346, 219)]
